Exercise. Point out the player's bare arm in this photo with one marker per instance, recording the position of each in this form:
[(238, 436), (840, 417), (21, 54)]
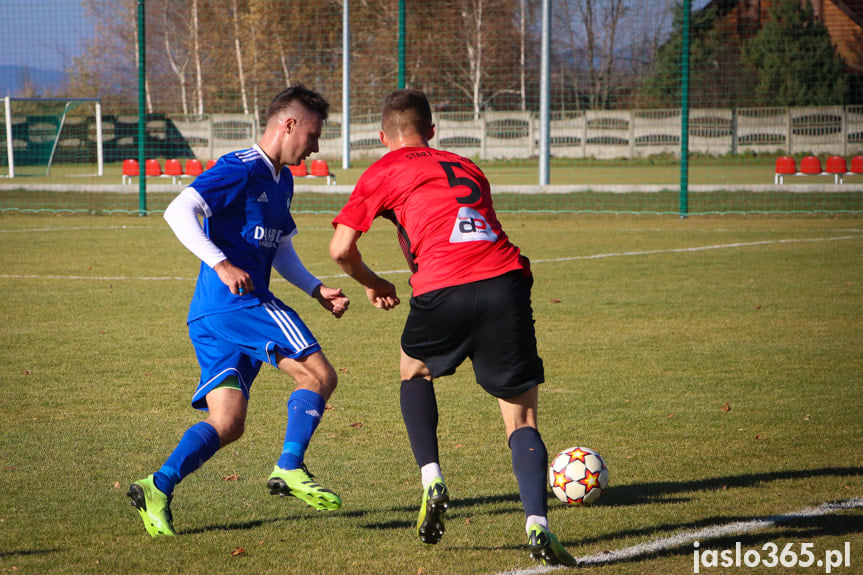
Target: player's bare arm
[(344, 251), (237, 280), (332, 299)]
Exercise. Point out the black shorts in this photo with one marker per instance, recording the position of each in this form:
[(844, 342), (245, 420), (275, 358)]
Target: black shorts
[(489, 321)]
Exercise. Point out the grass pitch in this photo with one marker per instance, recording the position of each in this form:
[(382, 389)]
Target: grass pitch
[(715, 362)]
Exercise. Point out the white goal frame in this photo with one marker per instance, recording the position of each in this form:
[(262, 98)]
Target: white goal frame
[(10, 147)]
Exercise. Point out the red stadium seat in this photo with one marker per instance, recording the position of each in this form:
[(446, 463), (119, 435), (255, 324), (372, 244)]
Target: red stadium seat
[(152, 168), (210, 164), (810, 165), (320, 168), (299, 171), (857, 165), (130, 170), (194, 167), (174, 169), (785, 165), (836, 165)]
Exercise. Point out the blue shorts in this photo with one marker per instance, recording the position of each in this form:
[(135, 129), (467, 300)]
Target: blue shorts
[(236, 343)]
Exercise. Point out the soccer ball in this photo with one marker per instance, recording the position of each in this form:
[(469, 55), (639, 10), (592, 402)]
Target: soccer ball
[(578, 476)]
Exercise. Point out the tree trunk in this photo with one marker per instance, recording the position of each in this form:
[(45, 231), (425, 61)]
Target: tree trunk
[(179, 71), (522, 58), (245, 97), (196, 51)]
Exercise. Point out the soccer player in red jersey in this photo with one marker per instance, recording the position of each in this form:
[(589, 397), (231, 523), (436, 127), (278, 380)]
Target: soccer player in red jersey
[(471, 298)]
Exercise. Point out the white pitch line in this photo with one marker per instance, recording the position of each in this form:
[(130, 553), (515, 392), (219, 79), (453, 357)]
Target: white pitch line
[(699, 249), (689, 537), (542, 261), (73, 229)]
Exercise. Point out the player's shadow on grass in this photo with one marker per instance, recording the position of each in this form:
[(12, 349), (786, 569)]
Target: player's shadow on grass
[(460, 509), (29, 552), (660, 491), (252, 524)]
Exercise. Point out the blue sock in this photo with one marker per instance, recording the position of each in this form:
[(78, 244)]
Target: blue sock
[(197, 445), (530, 464), (305, 408)]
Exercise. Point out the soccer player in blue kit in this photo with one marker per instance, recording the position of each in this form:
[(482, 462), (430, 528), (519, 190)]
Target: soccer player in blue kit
[(235, 322)]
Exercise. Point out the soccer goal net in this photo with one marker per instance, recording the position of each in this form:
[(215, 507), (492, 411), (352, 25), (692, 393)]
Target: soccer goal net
[(41, 134)]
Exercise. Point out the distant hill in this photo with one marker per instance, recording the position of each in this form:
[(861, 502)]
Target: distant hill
[(13, 79)]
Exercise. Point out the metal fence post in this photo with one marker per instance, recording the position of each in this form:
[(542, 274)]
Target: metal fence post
[(142, 114)]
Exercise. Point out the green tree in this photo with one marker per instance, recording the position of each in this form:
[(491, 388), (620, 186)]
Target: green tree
[(793, 60), (714, 57)]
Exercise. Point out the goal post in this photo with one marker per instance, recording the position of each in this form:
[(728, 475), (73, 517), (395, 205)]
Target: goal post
[(43, 132)]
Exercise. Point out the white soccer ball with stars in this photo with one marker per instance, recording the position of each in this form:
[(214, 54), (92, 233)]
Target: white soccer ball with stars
[(578, 476)]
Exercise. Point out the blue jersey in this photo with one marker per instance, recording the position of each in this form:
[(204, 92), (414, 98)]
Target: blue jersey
[(249, 211)]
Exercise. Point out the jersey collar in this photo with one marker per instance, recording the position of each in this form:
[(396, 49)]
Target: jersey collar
[(268, 162)]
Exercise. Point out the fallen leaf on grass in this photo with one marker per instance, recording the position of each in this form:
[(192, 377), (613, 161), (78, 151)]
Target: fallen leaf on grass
[(238, 551), (232, 477), (670, 415), (554, 300), (806, 417), (328, 407), (116, 485), (725, 407), (357, 424)]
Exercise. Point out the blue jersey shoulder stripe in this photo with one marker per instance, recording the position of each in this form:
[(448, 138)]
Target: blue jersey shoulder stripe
[(250, 155)]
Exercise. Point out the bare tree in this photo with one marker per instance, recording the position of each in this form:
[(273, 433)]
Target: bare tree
[(235, 16), (522, 60), (491, 42), (196, 55), (178, 58), (599, 21)]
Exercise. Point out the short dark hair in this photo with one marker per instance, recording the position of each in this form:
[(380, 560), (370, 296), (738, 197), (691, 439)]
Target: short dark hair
[(406, 110), (309, 99)]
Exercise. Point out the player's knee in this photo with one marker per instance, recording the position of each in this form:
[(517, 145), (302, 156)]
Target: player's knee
[(329, 381), (229, 430)]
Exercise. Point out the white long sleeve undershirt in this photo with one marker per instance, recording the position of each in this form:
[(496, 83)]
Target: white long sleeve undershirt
[(182, 215)]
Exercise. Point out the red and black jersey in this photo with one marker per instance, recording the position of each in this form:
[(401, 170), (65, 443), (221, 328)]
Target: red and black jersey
[(441, 205)]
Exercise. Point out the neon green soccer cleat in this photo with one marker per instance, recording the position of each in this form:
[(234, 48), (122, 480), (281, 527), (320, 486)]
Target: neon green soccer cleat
[(300, 483), (430, 525), (154, 507), (545, 548)]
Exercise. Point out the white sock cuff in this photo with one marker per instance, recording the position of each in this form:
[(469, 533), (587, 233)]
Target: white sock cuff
[(535, 519), (430, 472)]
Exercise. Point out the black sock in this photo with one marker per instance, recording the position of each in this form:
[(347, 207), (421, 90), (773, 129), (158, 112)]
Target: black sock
[(419, 410), (530, 464)]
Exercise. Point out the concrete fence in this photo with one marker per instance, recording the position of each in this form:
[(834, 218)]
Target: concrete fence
[(603, 134)]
